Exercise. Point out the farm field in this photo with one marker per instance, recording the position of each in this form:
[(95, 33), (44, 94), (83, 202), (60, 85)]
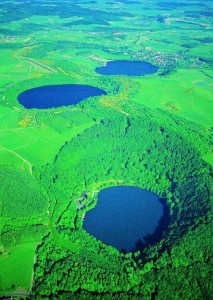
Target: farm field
[(150, 131), (186, 93), (16, 270)]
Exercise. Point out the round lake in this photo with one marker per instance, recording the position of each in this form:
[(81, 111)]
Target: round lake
[(127, 218), (125, 67), (57, 95)]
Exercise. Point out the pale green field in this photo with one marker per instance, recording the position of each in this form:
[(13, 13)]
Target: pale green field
[(8, 118), (16, 267), (186, 93), (36, 145), (31, 145), (8, 158), (12, 69)]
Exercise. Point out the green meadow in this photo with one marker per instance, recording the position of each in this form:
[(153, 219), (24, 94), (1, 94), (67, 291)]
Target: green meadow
[(151, 131), (186, 93), (16, 267)]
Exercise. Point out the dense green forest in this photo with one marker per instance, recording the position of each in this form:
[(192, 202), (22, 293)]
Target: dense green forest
[(153, 132), (107, 275), (131, 151), (20, 204)]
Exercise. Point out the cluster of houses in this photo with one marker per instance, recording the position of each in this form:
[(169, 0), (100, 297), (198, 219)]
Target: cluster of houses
[(8, 38), (79, 203)]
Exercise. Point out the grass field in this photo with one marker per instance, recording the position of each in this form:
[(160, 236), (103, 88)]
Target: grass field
[(187, 93), (35, 144), (16, 268)]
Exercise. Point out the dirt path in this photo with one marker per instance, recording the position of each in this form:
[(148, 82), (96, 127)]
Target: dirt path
[(19, 156), (17, 128), (32, 277), (93, 192)]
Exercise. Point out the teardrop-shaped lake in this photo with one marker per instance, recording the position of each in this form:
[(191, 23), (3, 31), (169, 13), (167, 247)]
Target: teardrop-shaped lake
[(127, 218)]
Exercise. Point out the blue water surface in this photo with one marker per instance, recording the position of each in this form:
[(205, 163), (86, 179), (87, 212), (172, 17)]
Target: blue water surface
[(125, 67), (57, 95), (125, 216)]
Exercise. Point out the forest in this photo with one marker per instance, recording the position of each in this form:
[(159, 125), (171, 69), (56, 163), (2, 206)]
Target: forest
[(184, 181)]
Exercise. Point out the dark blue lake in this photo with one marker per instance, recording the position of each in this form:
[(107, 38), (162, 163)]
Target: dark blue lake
[(57, 95), (127, 218), (125, 67)]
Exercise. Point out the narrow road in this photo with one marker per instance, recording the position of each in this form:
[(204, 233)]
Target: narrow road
[(116, 107), (39, 64)]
